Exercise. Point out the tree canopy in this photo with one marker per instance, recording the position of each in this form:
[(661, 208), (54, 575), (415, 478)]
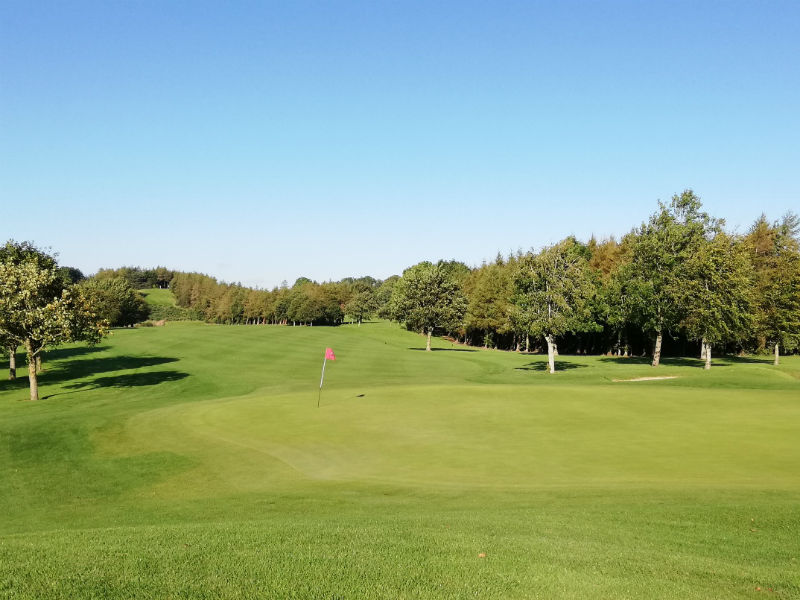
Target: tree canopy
[(428, 296), (552, 290), (39, 309)]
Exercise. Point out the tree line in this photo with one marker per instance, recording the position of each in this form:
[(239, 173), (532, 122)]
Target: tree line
[(679, 277), (306, 302), (679, 282)]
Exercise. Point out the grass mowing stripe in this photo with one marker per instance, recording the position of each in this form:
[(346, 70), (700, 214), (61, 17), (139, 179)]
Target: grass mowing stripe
[(190, 461)]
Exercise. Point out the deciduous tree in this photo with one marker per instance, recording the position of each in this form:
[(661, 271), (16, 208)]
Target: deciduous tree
[(116, 301), (552, 290), (775, 253), (428, 296), (657, 271), (489, 306), (37, 312), (716, 294), (362, 304)]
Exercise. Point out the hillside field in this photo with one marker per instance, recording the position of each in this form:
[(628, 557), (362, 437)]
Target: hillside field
[(191, 461), (158, 297)]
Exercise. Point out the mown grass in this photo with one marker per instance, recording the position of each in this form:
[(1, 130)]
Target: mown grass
[(191, 461), (158, 297)]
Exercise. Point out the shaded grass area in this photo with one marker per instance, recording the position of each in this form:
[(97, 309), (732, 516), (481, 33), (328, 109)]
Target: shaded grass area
[(190, 461)]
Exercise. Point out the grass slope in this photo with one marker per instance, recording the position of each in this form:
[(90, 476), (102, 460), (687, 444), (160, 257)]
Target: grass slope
[(158, 297), (191, 461), (163, 306)]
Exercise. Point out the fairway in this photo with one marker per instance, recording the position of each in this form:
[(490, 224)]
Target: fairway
[(191, 461)]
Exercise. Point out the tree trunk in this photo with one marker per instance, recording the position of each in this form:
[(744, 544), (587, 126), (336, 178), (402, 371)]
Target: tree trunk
[(527, 343), (551, 353), (777, 354), (38, 364), (12, 362), (32, 370), (657, 350), (428, 345), (707, 355), (703, 349), (555, 349)]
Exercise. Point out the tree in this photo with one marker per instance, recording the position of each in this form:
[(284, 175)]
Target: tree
[(7, 344), (657, 273), (427, 296), (717, 292), (383, 296), (71, 274), (362, 304), (489, 291), (163, 277), (116, 301), (36, 311), (14, 253), (552, 290), (775, 254)]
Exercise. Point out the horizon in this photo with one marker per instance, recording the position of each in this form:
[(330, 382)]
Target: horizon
[(265, 143)]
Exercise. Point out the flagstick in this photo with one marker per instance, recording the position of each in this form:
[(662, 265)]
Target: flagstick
[(321, 379)]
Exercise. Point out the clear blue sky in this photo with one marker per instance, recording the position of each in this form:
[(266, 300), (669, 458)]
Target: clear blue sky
[(263, 141)]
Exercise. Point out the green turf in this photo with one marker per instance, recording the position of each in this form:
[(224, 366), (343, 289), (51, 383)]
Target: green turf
[(163, 306), (158, 297), (191, 461)]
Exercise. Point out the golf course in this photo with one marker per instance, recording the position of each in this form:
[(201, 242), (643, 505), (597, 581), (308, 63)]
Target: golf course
[(192, 461)]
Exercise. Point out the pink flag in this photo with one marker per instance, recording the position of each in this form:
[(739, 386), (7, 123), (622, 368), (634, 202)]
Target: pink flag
[(329, 355)]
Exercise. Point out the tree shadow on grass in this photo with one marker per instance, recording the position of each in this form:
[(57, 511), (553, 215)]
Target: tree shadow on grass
[(561, 365), (761, 360), (17, 384), (82, 368), (129, 381), (62, 353), (445, 349), (92, 366), (670, 361)]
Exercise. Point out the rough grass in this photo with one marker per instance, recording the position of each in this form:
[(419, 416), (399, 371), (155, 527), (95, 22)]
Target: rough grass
[(191, 461)]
